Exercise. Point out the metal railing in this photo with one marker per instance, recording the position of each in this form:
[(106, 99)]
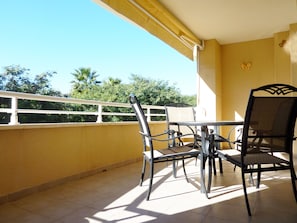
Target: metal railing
[(14, 109)]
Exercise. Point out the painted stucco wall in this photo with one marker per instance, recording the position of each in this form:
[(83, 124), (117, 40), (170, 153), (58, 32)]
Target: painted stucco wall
[(38, 156), (227, 73)]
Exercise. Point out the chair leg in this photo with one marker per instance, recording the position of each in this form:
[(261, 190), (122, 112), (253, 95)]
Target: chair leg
[(202, 174), (185, 171), (245, 193), (151, 180), (214, 166), (221, 165), (234, 168), (294, 174), (252, 182), (174, 164), (258, 176), (293, 179), (210, 160), (142, 171)]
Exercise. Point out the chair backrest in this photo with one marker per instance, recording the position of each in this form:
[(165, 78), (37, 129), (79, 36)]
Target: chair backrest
[(176, 113), (142, 121), (270, 119)]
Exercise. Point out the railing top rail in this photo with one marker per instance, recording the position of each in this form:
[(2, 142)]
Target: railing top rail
[(38, 97)]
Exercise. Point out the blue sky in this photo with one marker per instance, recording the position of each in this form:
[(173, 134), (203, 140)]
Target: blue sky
[(64, 35)]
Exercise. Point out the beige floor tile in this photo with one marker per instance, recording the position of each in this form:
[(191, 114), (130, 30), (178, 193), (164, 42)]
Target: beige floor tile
[(114, 196)]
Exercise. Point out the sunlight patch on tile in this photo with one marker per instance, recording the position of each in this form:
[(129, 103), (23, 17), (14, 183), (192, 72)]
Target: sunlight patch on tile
[(169, 196), (121, 215)]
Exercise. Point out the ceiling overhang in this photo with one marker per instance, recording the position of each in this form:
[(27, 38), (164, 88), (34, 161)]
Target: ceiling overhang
[(152, 16)]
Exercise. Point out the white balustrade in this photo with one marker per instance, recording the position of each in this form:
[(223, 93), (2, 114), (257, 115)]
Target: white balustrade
[(14, 110)]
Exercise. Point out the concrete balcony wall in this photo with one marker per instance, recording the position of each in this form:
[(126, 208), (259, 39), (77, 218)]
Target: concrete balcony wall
[(35, 157)]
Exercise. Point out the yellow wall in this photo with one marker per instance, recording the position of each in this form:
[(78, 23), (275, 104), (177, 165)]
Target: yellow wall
[(227, 73), (35, 157), (293, 30), (209, 80), (238, 81)]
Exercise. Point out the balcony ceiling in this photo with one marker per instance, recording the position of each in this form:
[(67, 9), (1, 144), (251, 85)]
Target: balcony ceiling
[(227, 21), (231, 21)]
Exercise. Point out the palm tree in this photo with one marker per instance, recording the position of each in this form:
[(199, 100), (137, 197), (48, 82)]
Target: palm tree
[(85, 79)]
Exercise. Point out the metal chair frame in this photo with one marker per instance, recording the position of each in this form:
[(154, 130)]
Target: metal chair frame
[(268, 130), (178, 151)]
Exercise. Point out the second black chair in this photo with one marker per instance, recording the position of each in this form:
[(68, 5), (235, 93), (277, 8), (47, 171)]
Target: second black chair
[(152, 155)]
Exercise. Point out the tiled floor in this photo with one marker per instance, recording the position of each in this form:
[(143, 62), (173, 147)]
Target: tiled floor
[(114, 196)]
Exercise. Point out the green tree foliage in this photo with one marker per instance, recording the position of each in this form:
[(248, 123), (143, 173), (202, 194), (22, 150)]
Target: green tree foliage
[(153, 92), (85, 83), (148, 91), (84, 86), (112, 90), (16, 78), (189, 100)]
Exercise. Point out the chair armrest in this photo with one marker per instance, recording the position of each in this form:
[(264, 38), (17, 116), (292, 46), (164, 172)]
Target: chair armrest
[(172, 138), (221, 139)]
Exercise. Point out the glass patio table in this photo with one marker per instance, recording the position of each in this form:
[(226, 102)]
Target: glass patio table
[(207, 144)]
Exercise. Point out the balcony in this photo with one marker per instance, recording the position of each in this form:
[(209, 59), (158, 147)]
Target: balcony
[(89, 172), (39, 155)]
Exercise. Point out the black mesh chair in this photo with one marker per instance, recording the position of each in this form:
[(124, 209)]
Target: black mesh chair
[(268, 134), (152, 155), (181, 113)]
